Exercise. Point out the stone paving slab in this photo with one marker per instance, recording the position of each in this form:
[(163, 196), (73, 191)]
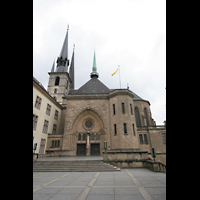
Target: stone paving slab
[(127, 184)]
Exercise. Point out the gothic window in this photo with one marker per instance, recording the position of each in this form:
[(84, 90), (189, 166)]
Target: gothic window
[(146, 117), (145, 139), (131, 109), (88, 123), (125, 129), (113, 109), (92, 136), (57, 80), (123, 108), (84, 137), (67, 85), (79, 137), (97, 136), (58, 143), (141, 138), (52, 143), (115, 128), (137, 117), (133, 129), (55, 143)]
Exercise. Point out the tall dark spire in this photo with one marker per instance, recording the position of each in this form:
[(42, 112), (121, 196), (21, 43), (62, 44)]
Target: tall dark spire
[(71, 71), (62, 61)]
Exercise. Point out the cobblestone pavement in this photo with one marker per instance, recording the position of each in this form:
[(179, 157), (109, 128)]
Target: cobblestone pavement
[(127, 184)]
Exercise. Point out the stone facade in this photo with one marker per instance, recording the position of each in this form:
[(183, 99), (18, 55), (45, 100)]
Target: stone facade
[(92, 114)]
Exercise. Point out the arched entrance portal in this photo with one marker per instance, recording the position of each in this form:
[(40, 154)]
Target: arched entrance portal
[(90, 133)]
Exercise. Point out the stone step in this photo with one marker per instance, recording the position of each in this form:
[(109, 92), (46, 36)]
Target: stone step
[(78, 166)]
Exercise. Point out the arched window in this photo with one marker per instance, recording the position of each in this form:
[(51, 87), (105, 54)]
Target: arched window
[(57, 80), (97, 136), (58, 143), (79, 137), (92, 136), (137, 116), (146, 117), (84, 137), (52, 143), (55, 143), (55, 91)]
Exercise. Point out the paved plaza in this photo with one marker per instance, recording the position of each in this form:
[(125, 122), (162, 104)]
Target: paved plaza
[(127, 184)]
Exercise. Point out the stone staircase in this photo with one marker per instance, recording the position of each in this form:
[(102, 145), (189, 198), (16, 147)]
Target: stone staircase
[(73, 166)]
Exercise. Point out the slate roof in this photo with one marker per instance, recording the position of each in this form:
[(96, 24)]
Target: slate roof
[(93, 86)]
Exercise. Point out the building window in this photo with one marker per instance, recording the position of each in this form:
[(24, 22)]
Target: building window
[(55, 143), (131, 109), (84, 137), (133, 129), (79, 137), (38, 102), (137, 117), (115, 128), (164, 137), (56, 115), (123, 108), (113, 109), (55, 91), (35, 118), (141, 138), (145, 139), (146, 117), (45, 127), (48, 109), (125, 129), (42, 146), (67, 85), (92, 136), (54, 129), (57, 80), (97, 136)]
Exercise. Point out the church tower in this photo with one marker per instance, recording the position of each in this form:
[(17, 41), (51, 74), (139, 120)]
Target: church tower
[(59, 78)]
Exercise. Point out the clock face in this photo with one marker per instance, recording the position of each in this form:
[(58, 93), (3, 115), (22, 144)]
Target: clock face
[(88, 123)]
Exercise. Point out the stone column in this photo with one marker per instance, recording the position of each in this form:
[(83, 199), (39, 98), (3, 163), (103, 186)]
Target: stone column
[(88, 145)]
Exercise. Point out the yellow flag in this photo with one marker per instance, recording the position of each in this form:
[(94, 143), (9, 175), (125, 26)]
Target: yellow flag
[(115, 72)]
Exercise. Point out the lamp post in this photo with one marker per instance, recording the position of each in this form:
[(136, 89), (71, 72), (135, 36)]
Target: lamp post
[(105, 146), (153, 153)]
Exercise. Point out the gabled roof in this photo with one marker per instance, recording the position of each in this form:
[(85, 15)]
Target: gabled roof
[(93, 86)]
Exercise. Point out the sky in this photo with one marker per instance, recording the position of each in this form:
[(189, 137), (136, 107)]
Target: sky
[(128, 33)]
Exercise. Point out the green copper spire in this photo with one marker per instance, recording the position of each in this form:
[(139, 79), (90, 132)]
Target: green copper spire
[(94, 69)]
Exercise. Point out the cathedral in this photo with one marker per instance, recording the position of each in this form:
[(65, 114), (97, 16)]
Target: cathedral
[(93, 114)]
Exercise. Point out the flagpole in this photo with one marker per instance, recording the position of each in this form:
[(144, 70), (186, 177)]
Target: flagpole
[(119, 77)]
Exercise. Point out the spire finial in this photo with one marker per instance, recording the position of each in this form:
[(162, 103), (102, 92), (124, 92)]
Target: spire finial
[(94, 68), (67, 26)]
